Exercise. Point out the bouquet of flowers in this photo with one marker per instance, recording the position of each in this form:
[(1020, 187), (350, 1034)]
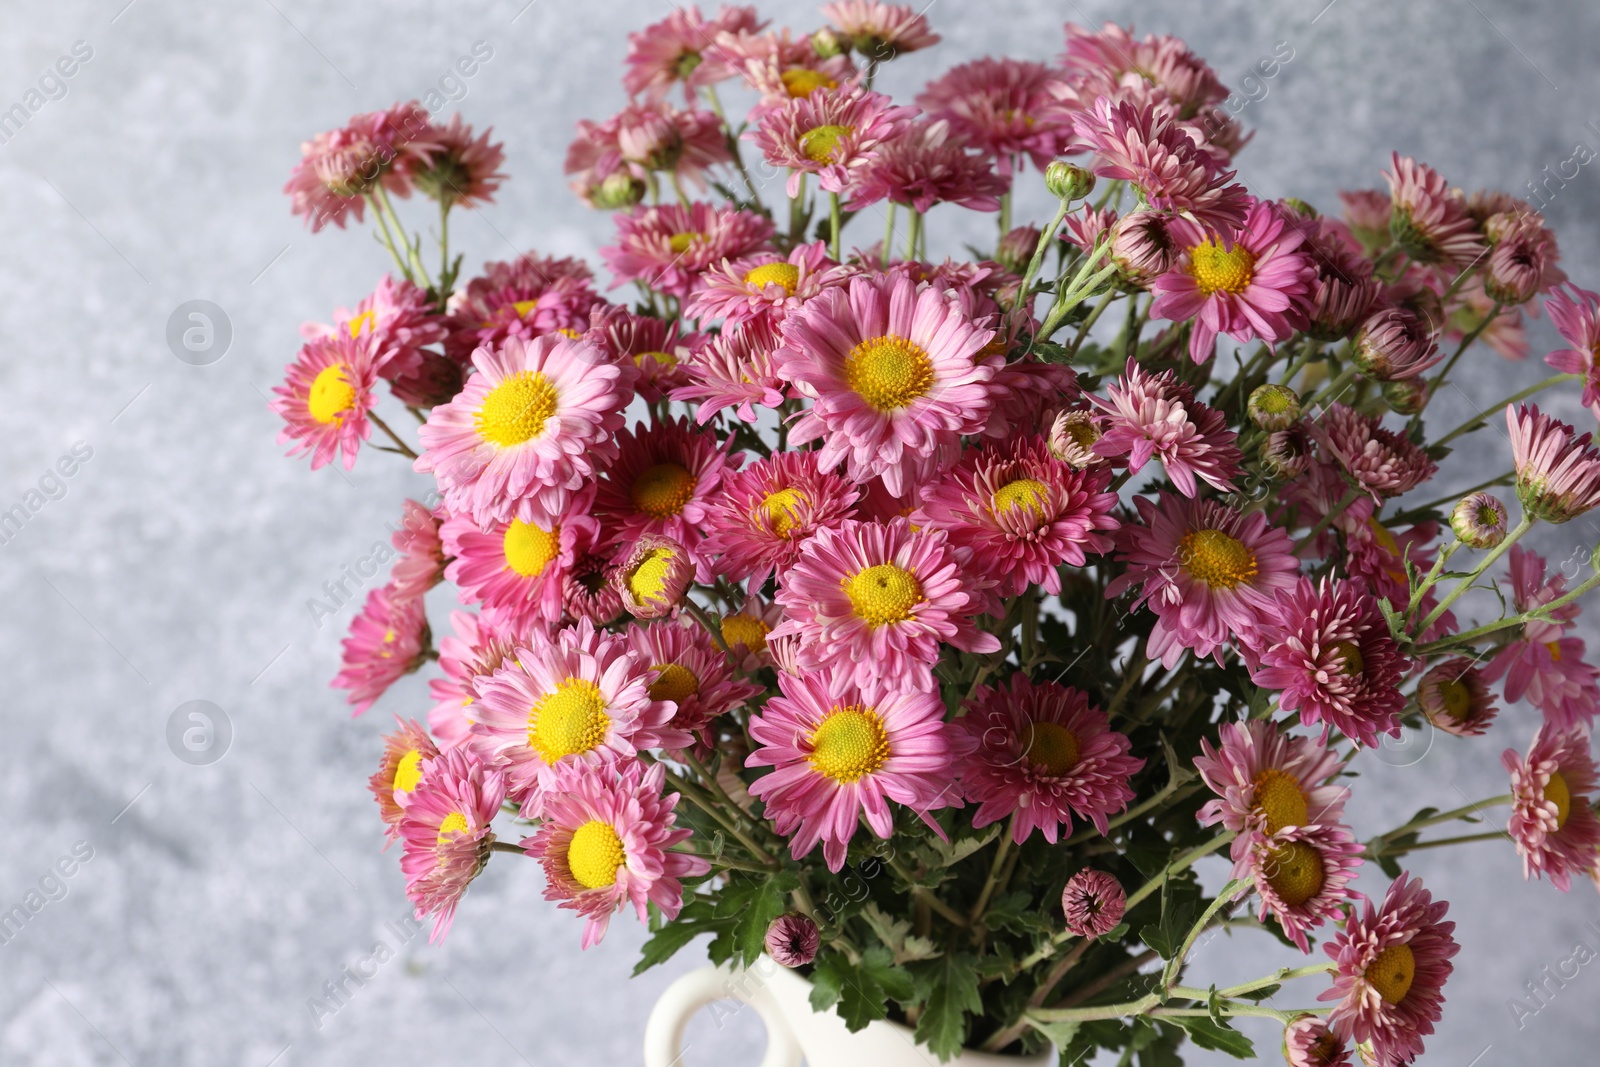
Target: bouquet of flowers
[(931, 620)]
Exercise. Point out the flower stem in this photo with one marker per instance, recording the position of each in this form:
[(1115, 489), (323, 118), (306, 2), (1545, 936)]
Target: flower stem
[(833, 222), (992, 880), (888, 236), (1464, 584), (1489, 413), (1283, 975), (1182, 863), (400, 445)]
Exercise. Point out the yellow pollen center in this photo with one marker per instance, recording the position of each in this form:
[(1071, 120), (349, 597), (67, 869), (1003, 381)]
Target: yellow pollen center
[(1385, 539), (680, 242), (595, 854), (1555, 650), (1052, 748), (408, 771), (888, 372), (818, 144), (1557, 793), (674, 682), (1216, 558), (782, 510), (1024, 493), (1351, 661), (516, 410), (568, 722), (1218, 269), (784, 274), (745, 630), (331, 395), (1392, 972), (362, 321), (800, 81), (530, 548), (849, 744), (1457, 698), (454, 823), (1295, 872), (883, 594), (1280, 799), (663, 490), (648, 582), (666, 359)]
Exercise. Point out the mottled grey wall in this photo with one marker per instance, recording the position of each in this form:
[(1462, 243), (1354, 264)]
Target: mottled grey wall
[(219, 898)]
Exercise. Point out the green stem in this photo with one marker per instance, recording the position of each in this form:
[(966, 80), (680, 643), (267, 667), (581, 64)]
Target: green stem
[(797, 213), (1322, 524), (913, 234), (388, 239), (1169, 974), (1433, 576), (707, 805), (413, 249), (1483, 417), (1046, 237), (1466, 342), (1443, 841), (833, 221), (1005, 212), (1282, 976), (677, 187), (1331, 392), (505, 846), (1182, 863), (1309, 348), (699, 615), (1421, 510), (888, 236), (403, 448), (1488, 561), (1435, 820), (993, 879), (922, 894), (1088, 323)]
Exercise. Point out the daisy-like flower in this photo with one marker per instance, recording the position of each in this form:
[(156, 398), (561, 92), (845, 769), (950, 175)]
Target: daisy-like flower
[(831, 133), (338, 168), (651, 578), (465, 170), (1380, 462), (734, 370), (517, 569), (765, 514), (1073, 434), (746, 634), (1156, 416), (527, 430), (644, 138), (1558, 472), (1575, 314), (399, 772), (385, 644), (691, 674), (1267, 781), (445, 833), (525, 297), (1330, 657), (606, 841), (677, 51), (660, 482), (1392, 963), (1093, 903), (779, 67), (658, 347), (419, 562), (1039, 751), (766, 283), (1544, 664), (325, 397), (1522, 259), (1454, 696), (1302, 875), (1428, 219), (1307, 1042), (880, 31), (399, 315), (896, 373), (1248, 283), (792, 940), (478, 648), (581, 697), (1113, 60), (926, 165), (1021, 512), (1211, 574), (668, 247), (1009, 108), (839, 756), (1552, 823), (872, 602)]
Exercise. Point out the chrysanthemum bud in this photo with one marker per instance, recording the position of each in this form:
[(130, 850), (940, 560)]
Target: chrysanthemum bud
[(1407, 396), (1307, 1042), (1072, 438), (1396, 343), (1142, 248), (653, 577), (827, 43), (1067, 181), (1286, 453), (618, 192), (1093, 902), (793, 940), (1016, 248), (1454, 697), (1299, 207), (1479, 521), (1273, 407)]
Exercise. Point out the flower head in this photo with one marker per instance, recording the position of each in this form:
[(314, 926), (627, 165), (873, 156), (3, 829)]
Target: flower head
[(1380, 462), (1009, 108), (1302, 875), (1454, 696), (1479, 520), (765, 283), (399, 315), (1307, 1042), (1396, 344), (338, 168), (1552, 820), (399, 771), (1267, 781), (464, 171), (677, 51), (385, 644), (1429, 220), (831, 133), (419, 561), (880, 31), (792, 940), (525, 297), (1543, 663), (445, 832), (924, 165), (477, 648), (691, 674), (763, 515), (652, 576), (663, 476), (734, 370), (668, 247), (516, 569), (325, 397), (1093, 903), (1156, 416), (1558, 472), (1575, 313)]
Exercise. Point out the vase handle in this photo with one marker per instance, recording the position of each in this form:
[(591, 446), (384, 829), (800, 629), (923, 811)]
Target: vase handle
[(663, 1034)]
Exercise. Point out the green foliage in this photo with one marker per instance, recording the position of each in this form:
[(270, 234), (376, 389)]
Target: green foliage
[(860, 992)]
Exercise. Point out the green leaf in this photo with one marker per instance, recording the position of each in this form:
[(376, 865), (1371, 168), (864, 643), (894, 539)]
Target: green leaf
[(694, 920), (952, 992), (1261, 994), (1218, 1037), (897, 936), (1061, 1035), (763, 903), (1015, 913), (860, 993)]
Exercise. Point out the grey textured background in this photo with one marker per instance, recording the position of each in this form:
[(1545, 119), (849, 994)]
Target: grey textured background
[(178, 565)]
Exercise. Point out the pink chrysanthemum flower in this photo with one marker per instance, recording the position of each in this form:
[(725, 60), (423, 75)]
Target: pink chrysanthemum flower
[(839, 756), (1552, 823), (1112, 60), (1575, 313), (1252, 282), (419, 562), (925, 165), (880, 31), (446, 835), (385, 644), (1429, 220), (1382, 463), (325, 397), (677, 50), (765, 284), (1267, 781), (464, 170), (1343, 290), (1155, 415), (831, 133), (734, 370), (1009, 108), (338, 168), (1211, 574), (525, 297), (1543, 664), (588, 592), (641, 139), (581, 697), (1522, 257), (607, 840), (660, 482), (896, 373), (528, 429), (1307, 1042), (1366, 212), (1302, 875), (652, 576), (746, 634), (399, 315), (1093, 903), (765, 514), (517, 569), (1455, 697), (399, 772), (873, 602), (1026, 392), (779, 67), (1330, 657), (1038, 751), (667, 248), (1021, 512), (1558, 473), (657, 347), (478, 648), (1396, 344), (691, 674), (1392, 963), (792, 940)]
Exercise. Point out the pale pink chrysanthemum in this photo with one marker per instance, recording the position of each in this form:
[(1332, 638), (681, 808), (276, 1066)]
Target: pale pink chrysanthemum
[(399, 771), (1391, 965), (691, 674), (1454, 696), (1307, 1042), (516, 569), (792, 940), (525, 297), (1558, 472), (677, 50), (1328, 655), (419, 561), (1093, 903), (399, 315), (1021, 512), (839, 756), (1396, 344), (1008, 108), (779, 66), (1543, 664), (652, 577), (339, 168), (1156, 416), (445, 833), (1038, 751), (897, 375), (657, 347), (1302, 875), (1073, 433), (1112, 60), (1575, 313), (873, 602), (607, 840), (385, 644), (642, 139), (527, 430), (926, 165), (478, 647), (1267, 780), (465, 169), (1211, 574), (325, 397), (1429, 220), (763, 515), (1251, 282), (1552, 823), (831, 133), (668, 247), (764, 284), (880, 31), (582, 696), (734, 370), (1381, 462), (660, 482)]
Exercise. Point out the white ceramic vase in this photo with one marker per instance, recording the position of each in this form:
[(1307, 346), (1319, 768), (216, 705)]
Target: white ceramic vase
[(795, 1033)]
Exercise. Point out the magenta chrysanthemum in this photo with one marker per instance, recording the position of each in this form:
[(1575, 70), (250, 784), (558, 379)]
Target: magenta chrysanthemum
[(1454, 696), (526, 297), (880, 31), (1156, 416), (464, 170), (1552, 821), (764, 515), (385, 644), (476, 649), (1307, 1042), (691, 674), (677, 50), (642, 139), (1382, 463), (766, 283), (926, 165), (1302, 875), (1267, 781), (1430, 220), (445, 832), (1009, 108), (1093, 903), (831, 133), (517, 569), (399, 315), (792, 940), (734, 370), (419, 553), (338, 168), (1112, 60), (325, 397), (668, 247), (1575, 313), (1544, 664), (660, 482), (1558, 472)]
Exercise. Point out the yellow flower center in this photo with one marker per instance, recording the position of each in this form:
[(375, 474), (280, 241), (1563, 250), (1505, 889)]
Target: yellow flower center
[(663, 490), (595, 854), (1216, 559), (849, 744), (1052, 748), (1456, 697), (1279, 797), (1392, 972), (674, 682), (746, 630), (408, 771), (1351, 662), (648, 582), (1218, 269), (568, 722), (888, 372), (666, 359), (362, 321), (530, 548), (1022, 493), (516, 410), (883, 594), (784, 274), (680, 242), (1082, 432), (782, 510), (1557, 793), (1295, 872), (799, 81), (818, 144), (1385, 539), (454, 823), (331, 395), (525, 306), (1555, 650)]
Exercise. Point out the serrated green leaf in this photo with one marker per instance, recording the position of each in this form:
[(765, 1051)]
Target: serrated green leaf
[(1061, 1035), (1261, 994), (1206, 1033), (952, 993), (763, 904), (859, 993)]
